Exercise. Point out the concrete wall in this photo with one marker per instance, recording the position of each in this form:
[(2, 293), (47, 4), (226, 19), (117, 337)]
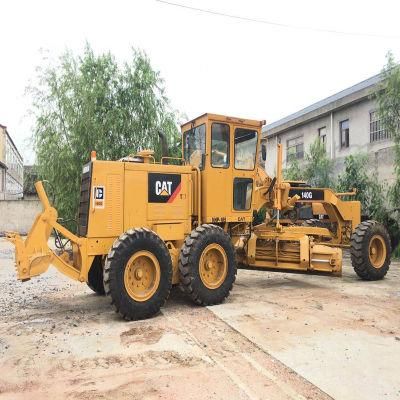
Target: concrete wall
[(18, 215), (358, 114)]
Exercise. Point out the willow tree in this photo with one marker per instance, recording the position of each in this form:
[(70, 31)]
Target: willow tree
[(90, 102)]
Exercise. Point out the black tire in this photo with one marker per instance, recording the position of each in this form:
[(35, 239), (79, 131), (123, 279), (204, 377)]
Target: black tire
[(129, 243), (190, 281), (95, 276), (360, 250)]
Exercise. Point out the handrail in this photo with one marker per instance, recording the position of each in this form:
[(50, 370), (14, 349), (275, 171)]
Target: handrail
[(173, 158), (197, 169)]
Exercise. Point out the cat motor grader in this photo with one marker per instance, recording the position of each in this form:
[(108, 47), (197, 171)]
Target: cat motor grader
[(144, 226)]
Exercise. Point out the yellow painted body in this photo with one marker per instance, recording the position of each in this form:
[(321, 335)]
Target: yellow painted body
[(172, 200), (217, 182)]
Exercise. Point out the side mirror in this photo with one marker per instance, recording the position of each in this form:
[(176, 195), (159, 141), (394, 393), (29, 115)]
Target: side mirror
[(263, 152)]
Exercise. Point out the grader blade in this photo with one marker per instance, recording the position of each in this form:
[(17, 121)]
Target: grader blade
[(33, 256), (28, 266)]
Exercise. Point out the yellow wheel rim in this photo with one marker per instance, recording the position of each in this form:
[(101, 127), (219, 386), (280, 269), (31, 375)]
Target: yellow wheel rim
[(377, 251), (142, 275), (213, 266)]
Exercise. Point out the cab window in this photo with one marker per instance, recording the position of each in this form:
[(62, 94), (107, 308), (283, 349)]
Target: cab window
[(242, 190), (245, 148), (194, 148), (220, 145)]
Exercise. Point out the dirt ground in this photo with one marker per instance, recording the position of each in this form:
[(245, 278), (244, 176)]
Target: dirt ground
[(278, 336)]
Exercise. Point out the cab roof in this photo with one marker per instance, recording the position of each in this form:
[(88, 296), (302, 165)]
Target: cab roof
[(223, 118)]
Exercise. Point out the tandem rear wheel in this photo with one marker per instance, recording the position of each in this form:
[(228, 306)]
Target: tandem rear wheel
[(138, 274), (207, 265)]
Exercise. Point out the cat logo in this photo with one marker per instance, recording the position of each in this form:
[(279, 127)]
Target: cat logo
[(163, 188), (99, 196)]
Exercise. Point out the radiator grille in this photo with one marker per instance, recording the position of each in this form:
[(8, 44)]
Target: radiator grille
[(84, 200)]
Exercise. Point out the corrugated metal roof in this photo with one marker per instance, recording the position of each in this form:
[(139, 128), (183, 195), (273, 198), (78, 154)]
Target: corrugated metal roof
[(325, 102)]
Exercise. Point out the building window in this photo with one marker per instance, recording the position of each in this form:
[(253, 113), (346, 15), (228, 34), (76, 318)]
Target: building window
[(295, 149), (322, 136), (344, 133), (376, 130)]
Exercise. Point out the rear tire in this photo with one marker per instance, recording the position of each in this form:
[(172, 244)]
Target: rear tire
[(138, 274), (207, 265), (370, 250), (95, 276)]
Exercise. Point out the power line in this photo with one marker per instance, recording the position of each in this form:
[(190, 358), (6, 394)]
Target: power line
[(278, 24)]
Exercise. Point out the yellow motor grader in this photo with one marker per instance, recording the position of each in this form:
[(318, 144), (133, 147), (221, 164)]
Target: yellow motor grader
[(144, 225)]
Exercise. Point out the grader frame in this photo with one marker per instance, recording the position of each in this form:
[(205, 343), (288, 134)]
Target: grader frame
[(144, 226)]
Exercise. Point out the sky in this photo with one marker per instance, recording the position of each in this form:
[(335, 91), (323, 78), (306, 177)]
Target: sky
[(210, 63)]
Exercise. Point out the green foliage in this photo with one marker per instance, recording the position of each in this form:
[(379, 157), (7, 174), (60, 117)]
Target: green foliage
[(357, 176), (259, 216), (30, 177), (318, 168), (90, 102), (293, 172), (372, 193), (396, 252), (388, 99)]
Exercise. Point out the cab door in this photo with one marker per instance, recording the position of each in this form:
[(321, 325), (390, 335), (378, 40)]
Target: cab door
[(217, 179), (245, 141)]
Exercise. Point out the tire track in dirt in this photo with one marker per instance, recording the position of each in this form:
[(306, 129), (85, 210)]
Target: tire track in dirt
[(257, 374)]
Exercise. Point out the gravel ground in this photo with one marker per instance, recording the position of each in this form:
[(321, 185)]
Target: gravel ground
[(58, 340)]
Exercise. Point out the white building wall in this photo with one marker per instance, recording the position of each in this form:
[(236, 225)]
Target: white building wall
[(14, 174), (358, 114)]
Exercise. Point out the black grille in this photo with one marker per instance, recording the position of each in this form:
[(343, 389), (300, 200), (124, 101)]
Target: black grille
[(84, 201)]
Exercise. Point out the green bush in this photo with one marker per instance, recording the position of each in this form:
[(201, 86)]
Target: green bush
[(373, 194), (316, 169)]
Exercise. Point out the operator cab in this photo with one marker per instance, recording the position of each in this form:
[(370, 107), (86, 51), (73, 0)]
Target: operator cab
[(225, 150)]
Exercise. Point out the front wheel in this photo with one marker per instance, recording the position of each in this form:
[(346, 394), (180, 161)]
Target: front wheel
[(138, 274), (207, 265), (370, 250)]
